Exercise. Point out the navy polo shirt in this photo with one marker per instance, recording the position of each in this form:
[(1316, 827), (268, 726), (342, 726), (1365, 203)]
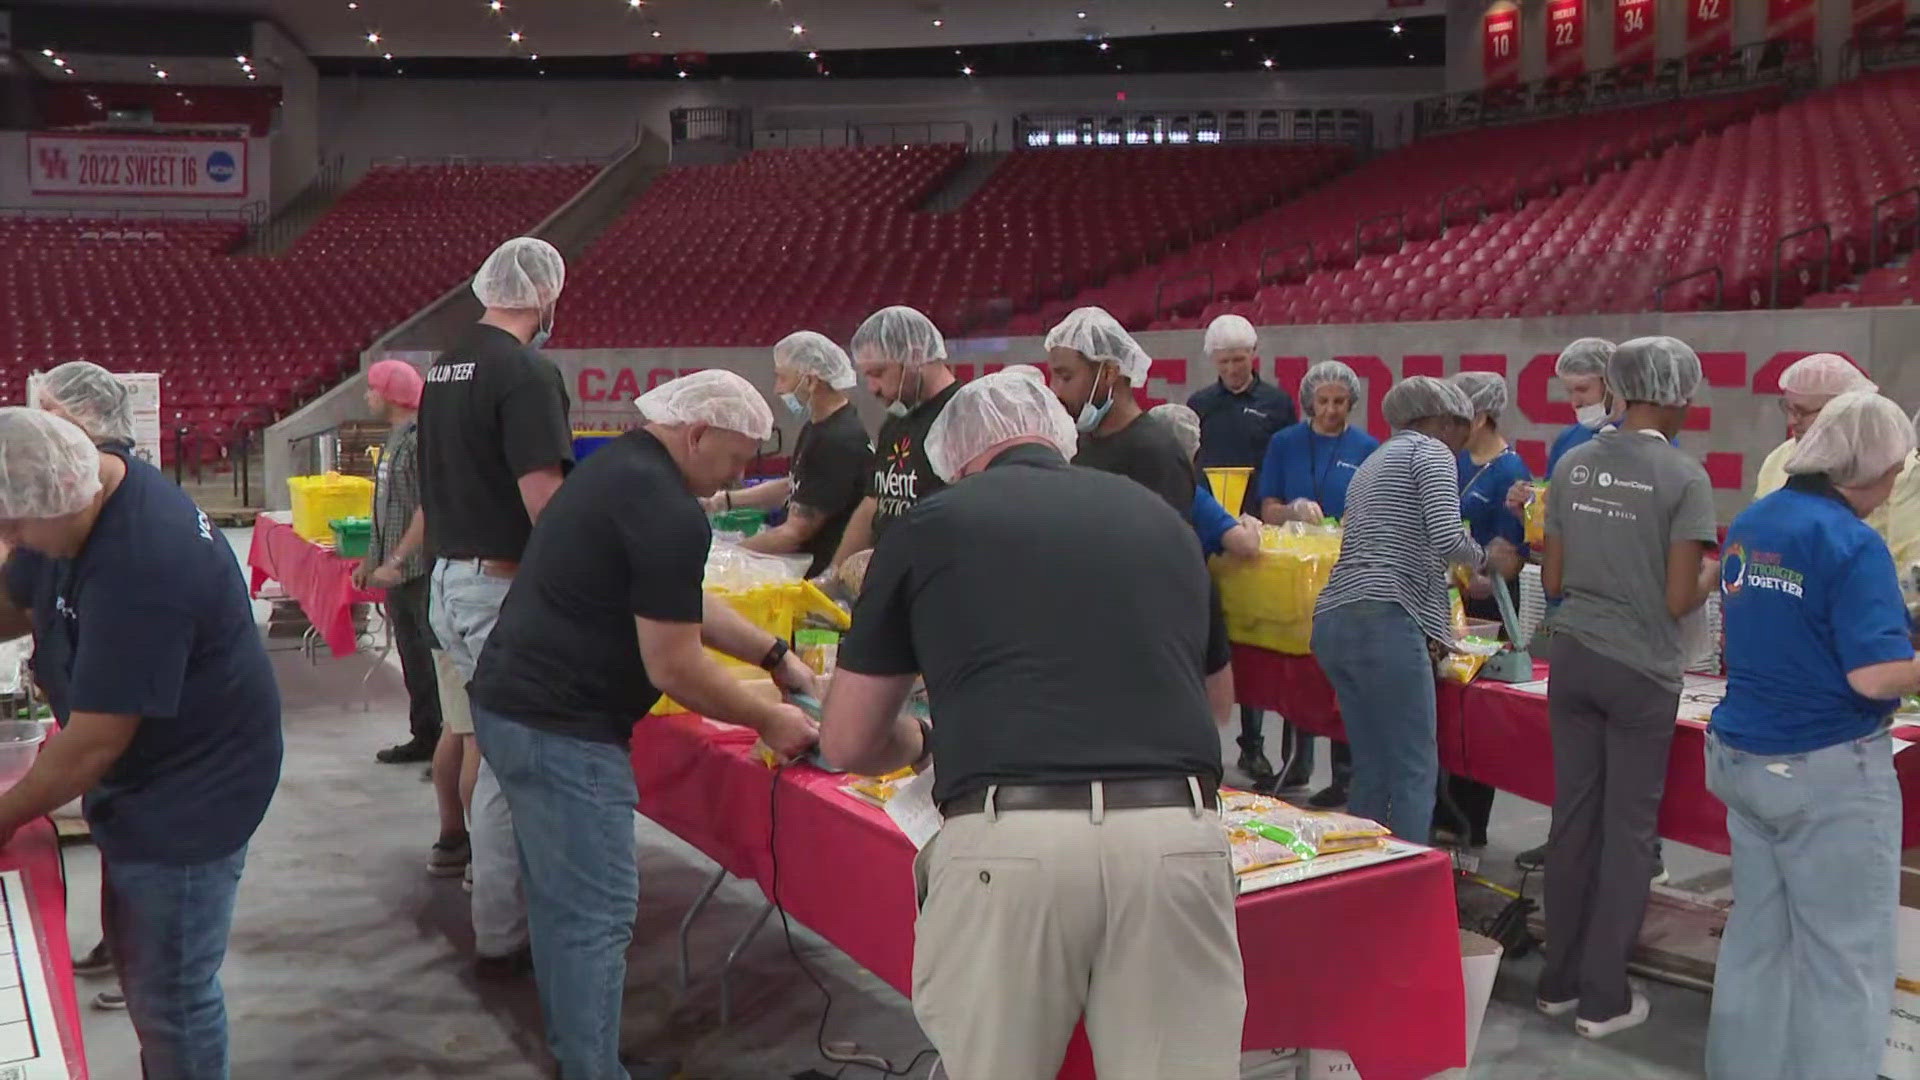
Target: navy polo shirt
[(1210, 520), (1304, 464), (152, 619), (1570, 438), (1483, 497), (1809, 593), (1236, 427)]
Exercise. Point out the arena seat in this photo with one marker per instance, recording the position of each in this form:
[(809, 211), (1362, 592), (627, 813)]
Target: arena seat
[(240, 340)]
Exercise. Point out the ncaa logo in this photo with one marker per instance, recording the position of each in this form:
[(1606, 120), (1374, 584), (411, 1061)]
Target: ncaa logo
[(1606, 479), (220, 166), (1578, 474)]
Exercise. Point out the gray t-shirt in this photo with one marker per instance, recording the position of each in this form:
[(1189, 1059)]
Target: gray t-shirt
[(1617, 504)]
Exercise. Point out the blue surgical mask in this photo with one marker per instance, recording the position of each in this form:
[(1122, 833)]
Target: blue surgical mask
[(1091, 414), (897, 408), (545, 332), (794, 404)]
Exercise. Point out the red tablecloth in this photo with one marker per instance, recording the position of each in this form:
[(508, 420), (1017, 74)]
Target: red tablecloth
[(1498, 735), (320, 581), (35, 852), (1367, 961)]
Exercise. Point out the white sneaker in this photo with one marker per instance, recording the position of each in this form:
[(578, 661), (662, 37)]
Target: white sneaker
[(1600, 1029), (1556, 1008), (110, 1001)]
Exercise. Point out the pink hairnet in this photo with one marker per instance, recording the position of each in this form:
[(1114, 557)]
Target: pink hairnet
[(397, 381)]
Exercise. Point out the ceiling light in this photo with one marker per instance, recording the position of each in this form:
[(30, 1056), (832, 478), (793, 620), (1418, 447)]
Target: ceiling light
[(250, 76), (70, 71), (813, 56), (1104, 46), (373, 37), (683, 74), (1267, 63), (939, 22), (495, 5), (248, 68), (514, 37), (386, 56), (58, 62), (966, 71), (633, 3), (1397, 28), (656, 33), (798, 29), (159, 74), (241, 60), (46, 52), (1079, 14), (351, 6), (1226, 3), (1409, 56), (535, 56)]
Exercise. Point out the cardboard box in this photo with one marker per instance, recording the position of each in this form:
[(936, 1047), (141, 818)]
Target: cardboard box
[(1479, 964)]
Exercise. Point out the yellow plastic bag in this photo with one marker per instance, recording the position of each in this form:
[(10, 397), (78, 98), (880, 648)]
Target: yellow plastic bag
[(1268, 601), (1536, 516)]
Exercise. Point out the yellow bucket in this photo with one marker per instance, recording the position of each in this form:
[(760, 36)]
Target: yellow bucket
[(1229, 486), (317, 500)]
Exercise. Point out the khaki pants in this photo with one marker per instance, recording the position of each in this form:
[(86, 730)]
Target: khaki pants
[(1031, 919)]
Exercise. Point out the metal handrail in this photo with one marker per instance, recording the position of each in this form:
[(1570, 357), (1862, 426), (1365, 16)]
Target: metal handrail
[(1873, 239), (1359, 228), (1446, 204), (1826, 258), (1719, 287), (1308, 263), (1159, 290)]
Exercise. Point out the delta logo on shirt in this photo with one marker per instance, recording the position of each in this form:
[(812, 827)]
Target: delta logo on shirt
[(897, 489), (1759, 570)]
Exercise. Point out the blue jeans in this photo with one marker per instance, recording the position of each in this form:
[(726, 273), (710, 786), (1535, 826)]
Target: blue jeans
[(1805, 977), (166, 927), (573, 807), (1375, 656)]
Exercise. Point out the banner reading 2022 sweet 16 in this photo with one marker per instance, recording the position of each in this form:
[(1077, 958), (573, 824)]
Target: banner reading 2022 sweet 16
[(150, 165)]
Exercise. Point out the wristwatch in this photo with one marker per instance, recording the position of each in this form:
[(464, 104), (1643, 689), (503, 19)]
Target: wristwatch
[(774, 655)]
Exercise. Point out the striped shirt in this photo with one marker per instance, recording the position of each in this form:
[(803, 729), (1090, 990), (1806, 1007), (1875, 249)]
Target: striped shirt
[(1401, 532)]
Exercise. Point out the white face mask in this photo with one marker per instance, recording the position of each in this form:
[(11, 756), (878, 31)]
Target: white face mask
[(1590, 416)]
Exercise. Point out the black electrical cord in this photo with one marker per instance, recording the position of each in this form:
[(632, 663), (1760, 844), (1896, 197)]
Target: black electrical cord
[(786, 928)]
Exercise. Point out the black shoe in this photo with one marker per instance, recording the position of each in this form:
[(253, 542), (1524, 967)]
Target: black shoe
[(1331, 797), (407, 753), (97, 962), (1254, 764), (1532, 858), (517, 964)]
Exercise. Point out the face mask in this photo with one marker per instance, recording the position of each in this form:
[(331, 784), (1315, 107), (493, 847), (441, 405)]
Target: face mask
[(1590, 416), (898, 406), (540, 336), (794, 404), (1090, 414)]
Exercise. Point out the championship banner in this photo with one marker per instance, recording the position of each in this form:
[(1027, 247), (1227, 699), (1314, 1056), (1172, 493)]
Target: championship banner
[(1566, 37), (1878, 18), (1501, 47), (1792, 20), (1709, 27), (1633, 39), (149, 165)]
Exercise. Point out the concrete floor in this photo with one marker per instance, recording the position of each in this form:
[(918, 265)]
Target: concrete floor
[(348, 961)]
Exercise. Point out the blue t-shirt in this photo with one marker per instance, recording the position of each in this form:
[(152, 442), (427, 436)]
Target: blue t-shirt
[(1304, 464), (152, 619), (1570, 438), (1809, 593), (1483, 498), (1210, 520)]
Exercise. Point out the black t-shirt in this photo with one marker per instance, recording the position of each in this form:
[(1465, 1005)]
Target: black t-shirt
[(831, 463), (152, 619), (1236, 428), (494, 410), (1055, 646), (622, 537), (902, 475), (1145, 451)]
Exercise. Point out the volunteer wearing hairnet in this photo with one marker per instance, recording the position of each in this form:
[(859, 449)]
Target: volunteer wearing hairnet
[(1806, 385), (95, 400), (494, 444), (832, 458), (394, 562), (1096, 368), (1304, 478), (903, 357), (1384, 610), (1818, 655), (1219, 531), (1488, 470), (1582, 371), (1081, 868), (606, 614), (1629, 518), (169, 716), (1239, 413)]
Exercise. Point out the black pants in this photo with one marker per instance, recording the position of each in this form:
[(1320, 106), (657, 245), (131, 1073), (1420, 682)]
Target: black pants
[(1297, 746), (413, 638), (1465, 805)]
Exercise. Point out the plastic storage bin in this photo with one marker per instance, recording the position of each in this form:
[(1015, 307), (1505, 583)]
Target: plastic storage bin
[(779, 610), (1268, 601), (318, 500), (1229, 486), (352, 536)]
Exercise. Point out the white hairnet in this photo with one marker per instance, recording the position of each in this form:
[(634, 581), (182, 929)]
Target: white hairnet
[(1486, 390), (901, 335), (815, 354), (92, 397), (994, 409), (1422, 396), (1824, 375), (1184, 422), (525, 273), (1230, 332), (1656, 370), (1324, 372), (1099, 337), (1584, 356), (1857, 437), (48, 467), (713, 397)]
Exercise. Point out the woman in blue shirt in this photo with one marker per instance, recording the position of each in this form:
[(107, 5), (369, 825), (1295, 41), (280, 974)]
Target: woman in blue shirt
[(1304, 478), (1818, 653), (1308, 466)]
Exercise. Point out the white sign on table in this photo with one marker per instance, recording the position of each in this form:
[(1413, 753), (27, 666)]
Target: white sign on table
[(30, 1046)]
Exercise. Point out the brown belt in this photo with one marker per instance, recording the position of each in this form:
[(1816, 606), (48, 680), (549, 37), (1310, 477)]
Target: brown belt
[(1115, 795), (500, 568)]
